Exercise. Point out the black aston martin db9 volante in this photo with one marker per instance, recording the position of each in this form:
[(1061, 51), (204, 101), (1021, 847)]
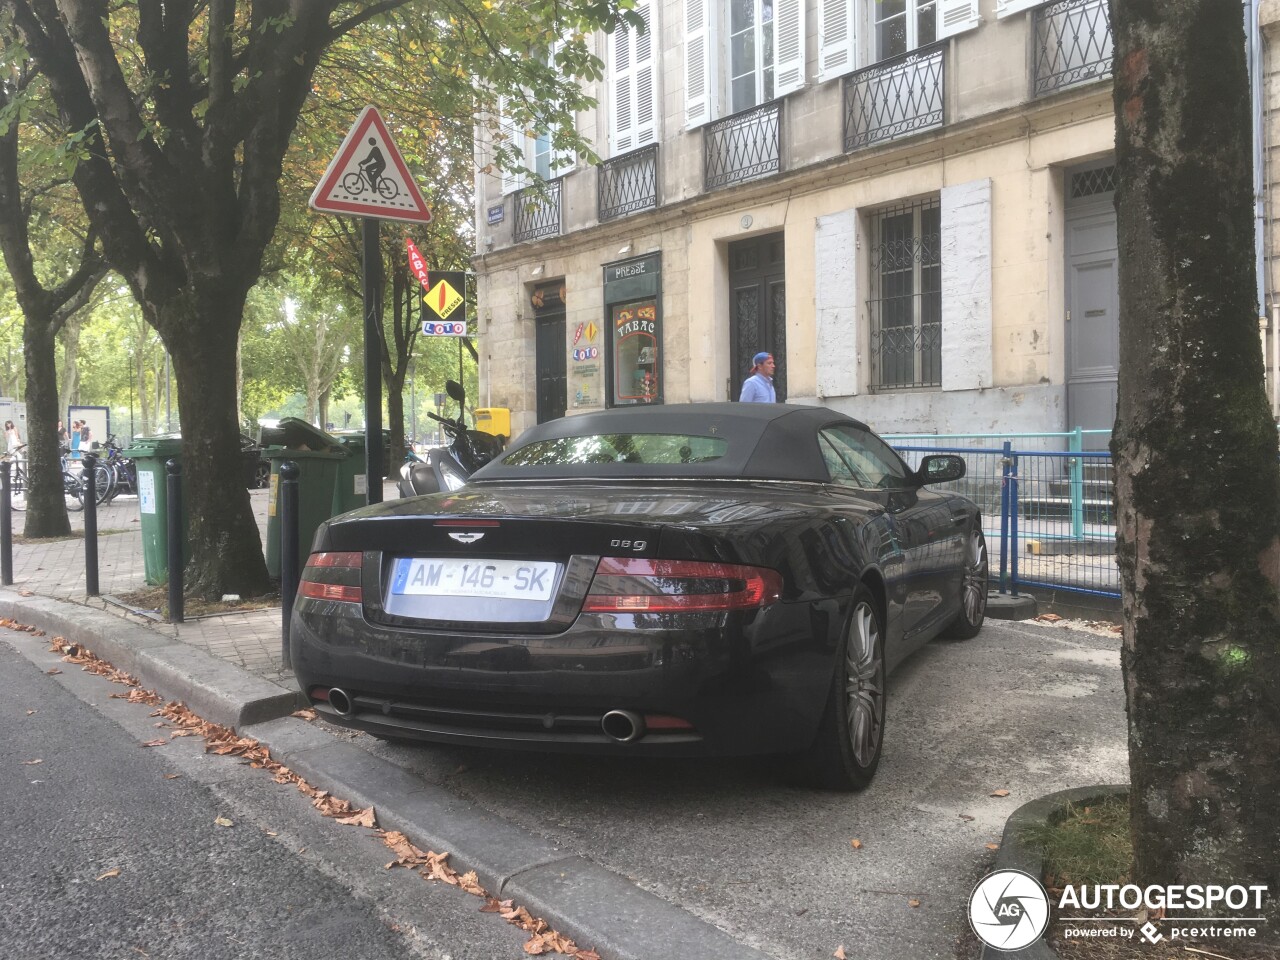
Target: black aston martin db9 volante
[(679, 580)]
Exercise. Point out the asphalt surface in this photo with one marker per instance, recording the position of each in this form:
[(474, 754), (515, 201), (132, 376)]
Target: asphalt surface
[(281, 882), (1027, 708)]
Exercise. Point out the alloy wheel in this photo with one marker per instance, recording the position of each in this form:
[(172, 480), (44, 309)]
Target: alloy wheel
[(864, 685), (975, 579)]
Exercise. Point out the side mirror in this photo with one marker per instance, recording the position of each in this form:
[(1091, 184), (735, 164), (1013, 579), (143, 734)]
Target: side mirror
[(940, 468), (454, 389)]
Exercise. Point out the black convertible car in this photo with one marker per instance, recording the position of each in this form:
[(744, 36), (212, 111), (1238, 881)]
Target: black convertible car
[(677, 580)]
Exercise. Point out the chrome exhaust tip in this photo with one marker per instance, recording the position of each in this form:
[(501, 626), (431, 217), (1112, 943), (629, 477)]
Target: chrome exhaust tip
[(622, 725), (340, 702)]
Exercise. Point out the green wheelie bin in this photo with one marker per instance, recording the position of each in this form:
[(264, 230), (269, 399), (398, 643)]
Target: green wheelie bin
[(351, 489), (318, 457), (150, 455)]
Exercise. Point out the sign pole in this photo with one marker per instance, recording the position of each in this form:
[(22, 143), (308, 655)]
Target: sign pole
[(372, 359)]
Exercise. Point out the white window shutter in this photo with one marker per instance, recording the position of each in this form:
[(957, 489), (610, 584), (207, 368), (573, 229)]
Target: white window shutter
[(788, 46), (957, 16), (1006, 8), (512, 180), (622, 115), (966, 286), (645, 97), (697, 63), (837, 38), (562, 161)]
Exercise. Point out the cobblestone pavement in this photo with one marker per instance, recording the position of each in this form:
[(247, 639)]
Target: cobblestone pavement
[(56, 569)]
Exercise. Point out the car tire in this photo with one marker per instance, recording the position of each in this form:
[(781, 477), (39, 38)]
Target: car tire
[(973, 591), (846, 751)]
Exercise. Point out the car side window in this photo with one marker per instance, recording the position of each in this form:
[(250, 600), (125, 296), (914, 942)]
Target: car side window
[(841, 472), (869, 460)]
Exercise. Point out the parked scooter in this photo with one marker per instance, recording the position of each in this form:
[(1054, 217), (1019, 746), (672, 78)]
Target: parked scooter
[(447, 468)]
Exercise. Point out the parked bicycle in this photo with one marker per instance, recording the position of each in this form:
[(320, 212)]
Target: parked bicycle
[(115, 474), (20, 482)]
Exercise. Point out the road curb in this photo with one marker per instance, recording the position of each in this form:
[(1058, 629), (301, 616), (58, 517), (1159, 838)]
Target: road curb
[(595, 906), (1016, 855), (216, 690)]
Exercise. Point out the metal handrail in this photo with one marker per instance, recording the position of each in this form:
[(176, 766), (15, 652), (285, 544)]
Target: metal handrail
[(627, 184), (875, 109), (730, 152)]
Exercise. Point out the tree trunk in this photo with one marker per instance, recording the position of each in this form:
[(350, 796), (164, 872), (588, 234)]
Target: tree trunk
[(1197, 484), (46, 508), (70, 391), (226, 548), (322, 408)]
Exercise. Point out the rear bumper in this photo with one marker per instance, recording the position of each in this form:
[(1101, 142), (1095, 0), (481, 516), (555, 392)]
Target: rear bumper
[(748, 683)]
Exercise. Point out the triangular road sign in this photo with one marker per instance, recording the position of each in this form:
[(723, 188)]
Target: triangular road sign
[(367, 177)]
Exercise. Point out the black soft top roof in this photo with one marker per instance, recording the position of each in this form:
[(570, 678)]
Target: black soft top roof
[(766, 441)]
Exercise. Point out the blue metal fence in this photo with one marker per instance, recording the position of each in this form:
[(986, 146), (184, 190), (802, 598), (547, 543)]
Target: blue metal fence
[(1046, 502)]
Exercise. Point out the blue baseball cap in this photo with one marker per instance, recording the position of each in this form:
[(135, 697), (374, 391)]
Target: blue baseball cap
[(760, 358)]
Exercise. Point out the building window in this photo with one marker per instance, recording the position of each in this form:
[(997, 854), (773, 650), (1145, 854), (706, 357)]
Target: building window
[(750, 53), (903, 25), (906, 305)]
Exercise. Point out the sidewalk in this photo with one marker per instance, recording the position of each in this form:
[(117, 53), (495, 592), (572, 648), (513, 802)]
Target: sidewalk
[(56, 569)]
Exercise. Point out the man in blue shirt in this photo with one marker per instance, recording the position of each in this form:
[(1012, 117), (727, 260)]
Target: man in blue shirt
[(758, 388)]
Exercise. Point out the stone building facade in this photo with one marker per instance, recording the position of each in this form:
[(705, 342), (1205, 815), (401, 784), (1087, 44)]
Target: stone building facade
[(909, 202)]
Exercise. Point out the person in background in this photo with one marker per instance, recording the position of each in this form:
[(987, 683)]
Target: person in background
[(85, 435), (63, 437), (75, 439), (12, 438), (758, 387)]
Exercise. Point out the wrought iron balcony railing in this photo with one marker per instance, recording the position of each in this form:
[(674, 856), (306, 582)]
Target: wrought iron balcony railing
[(538, 211), (1072, 44), (894, 98), (628, 184), (744, 146)]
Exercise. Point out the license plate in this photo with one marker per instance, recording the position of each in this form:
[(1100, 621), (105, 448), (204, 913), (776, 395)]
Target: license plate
[(495, 579)]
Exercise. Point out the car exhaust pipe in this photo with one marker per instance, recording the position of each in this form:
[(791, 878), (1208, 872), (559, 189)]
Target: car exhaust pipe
[(622, 725), (340, 702)]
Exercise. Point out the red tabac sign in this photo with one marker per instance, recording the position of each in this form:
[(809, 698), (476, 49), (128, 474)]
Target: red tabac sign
[(367, 177)]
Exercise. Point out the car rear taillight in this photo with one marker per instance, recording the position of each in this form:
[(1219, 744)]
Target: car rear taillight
[(633, 585), (332, 576)]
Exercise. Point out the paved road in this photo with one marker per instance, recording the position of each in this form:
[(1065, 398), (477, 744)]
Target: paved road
[(281, 883), (1028, 708)]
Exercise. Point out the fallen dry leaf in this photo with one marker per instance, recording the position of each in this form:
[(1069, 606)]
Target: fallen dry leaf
[(30, 712), (53, 672), (113, 872), (32, 763), (839, 954), (159, 742), (965, 817), (993, 846), (856, 844), (172, 776), (224, 822), (1002, 792), (913, 902), (1048, 618), (307, 714), (25, 593), (361, 818)]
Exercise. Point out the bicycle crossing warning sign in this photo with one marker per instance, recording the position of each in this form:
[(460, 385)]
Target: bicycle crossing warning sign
[(367, 177)]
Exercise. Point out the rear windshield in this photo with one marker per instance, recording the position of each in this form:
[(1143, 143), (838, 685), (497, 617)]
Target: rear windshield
[(642, 448)]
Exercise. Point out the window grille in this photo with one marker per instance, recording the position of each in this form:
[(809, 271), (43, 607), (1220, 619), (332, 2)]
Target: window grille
[(1073, 44), (906, 304), (1091, 183)]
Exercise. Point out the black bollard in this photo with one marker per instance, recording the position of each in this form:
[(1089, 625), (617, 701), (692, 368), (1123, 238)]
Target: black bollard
[(174, 488), (289, 473), (90, 481), (6, 527)]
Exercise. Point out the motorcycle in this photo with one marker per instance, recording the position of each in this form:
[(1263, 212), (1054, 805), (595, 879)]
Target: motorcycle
[(447, 468)]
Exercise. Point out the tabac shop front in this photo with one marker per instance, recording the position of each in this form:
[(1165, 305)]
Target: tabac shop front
[(633, 331)]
